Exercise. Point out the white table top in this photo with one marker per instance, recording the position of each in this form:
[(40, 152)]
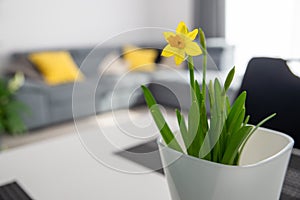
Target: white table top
[(62, 167)]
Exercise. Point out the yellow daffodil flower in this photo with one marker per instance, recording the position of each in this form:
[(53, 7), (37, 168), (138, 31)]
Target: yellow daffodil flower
[(181, 43)]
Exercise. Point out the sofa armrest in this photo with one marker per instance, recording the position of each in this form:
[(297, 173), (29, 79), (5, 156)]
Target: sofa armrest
[(34, 95), (33, 86)]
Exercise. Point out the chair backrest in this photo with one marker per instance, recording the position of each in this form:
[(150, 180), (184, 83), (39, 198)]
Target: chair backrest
[(272, 88)]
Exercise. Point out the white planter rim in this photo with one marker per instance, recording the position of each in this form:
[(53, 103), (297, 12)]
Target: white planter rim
[(289, 146)]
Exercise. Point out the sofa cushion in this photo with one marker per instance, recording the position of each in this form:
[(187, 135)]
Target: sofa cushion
[(122, 91), (65, 92), (89, 59), (113, 64), (56, 66), (37, 103), (140, 59)]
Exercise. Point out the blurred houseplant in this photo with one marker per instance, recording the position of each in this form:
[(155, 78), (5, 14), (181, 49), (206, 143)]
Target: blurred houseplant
[(217, 143), (10, 108)]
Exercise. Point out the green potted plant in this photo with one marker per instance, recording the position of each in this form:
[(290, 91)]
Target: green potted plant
[(10, 108), (223, 157)]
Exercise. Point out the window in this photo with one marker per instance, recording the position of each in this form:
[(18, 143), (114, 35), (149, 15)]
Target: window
[(263, 28)]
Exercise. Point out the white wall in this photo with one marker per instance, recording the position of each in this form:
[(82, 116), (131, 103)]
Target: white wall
[(40, 24), (168, 13)]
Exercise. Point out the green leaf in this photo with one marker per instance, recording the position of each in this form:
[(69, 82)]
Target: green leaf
[(205, 128), (217, 103), (253, 130), (234, 119), (223, 141), (237, 121), (199, 95), (206, 145), (263, 121), (193, 125), (15, 125), (235, 143), (2, 129), (237, 157), (202, 39), (162, 125), (228, 106), (203, 114), (219, 112), (211, 94), (183, 128), (229, 79), (203, 124), (237, 106), (10, 114), (247, 120), (218, 95)]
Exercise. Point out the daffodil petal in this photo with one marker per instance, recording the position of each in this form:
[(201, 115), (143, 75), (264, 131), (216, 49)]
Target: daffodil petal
[(192, 35), (181, 28), (168, 34), (179, 57), (193, 49), (169, 51), (178, 60)]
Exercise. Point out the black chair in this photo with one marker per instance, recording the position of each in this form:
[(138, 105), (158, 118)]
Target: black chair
[(272, 88)]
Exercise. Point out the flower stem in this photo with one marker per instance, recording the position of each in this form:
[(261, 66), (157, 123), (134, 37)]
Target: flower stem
[(204, 73), (204, 64), (192, 76)]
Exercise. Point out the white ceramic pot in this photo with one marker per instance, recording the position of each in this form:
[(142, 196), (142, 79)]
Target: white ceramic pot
[(259, 176)]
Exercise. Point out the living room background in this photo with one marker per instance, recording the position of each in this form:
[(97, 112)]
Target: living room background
[(263, 28), (48, 24), (34, 24)]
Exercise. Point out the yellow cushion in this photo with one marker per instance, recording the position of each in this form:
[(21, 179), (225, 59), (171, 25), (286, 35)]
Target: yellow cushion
[(57, 67), (140, 59)]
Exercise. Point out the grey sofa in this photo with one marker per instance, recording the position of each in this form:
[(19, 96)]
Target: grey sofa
[(53, 104), (100, 93)]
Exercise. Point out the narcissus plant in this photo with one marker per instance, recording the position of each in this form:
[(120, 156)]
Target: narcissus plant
[(220, 139)]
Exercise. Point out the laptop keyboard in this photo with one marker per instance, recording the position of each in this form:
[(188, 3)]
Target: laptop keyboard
[(13, 191)]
